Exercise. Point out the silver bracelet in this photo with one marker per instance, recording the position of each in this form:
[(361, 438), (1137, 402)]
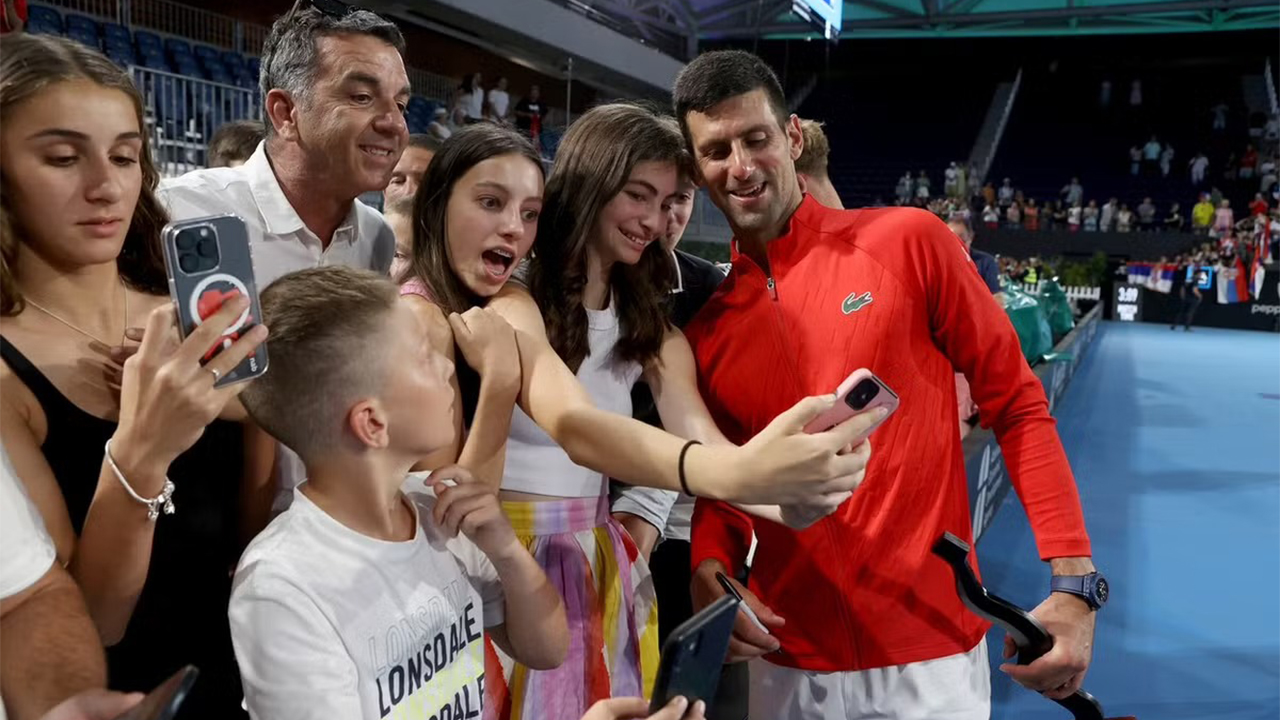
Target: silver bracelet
[(164, 499)]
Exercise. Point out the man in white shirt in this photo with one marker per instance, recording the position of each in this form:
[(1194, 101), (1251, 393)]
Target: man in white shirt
[(1006, 194), (362, 600), (1108, 214), (334, 91), (51, 649), (1199, 164), (1073, 192), (499, 102)]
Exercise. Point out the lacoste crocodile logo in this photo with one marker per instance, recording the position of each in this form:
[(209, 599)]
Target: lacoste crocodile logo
[(856, 302)]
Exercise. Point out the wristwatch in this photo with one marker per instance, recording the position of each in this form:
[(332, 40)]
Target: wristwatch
[(1093, 588)]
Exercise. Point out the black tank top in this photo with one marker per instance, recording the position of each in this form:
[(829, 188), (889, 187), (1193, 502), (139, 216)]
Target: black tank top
[(181, 615)]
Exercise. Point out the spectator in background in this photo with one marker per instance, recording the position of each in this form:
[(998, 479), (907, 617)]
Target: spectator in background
[(14, 19), (529, 113), (1267, 174), (905, 189), (811, 166), (234, 142), (1199, 166), (1124, 219), (471, 99), (1151, 157), (413, 162), (439, 127), (1248, 162), (922, 188), (1135, 160), (991, 216), (1006, 194), (1108, 215), (951, 178), (989, 194), (962, 183), (1031, 216), (1174, 220), (1166, 160), (1202, 215), (1258, 206), (498, 103), (1091, 214), (1224, 221), (1073, 192), (399, 215), (1013, 217), (1075, 216), (1147, 215), (1231, 168), (1220, 116)]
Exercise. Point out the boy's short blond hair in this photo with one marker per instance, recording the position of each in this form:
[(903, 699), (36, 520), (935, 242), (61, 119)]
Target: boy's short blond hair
[(813, 159), (328, 327)]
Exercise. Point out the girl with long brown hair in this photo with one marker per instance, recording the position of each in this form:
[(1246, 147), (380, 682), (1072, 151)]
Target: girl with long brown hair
[(140, 497)]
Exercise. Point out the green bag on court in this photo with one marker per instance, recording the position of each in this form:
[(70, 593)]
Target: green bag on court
[(1057, 309), (1029, 321)]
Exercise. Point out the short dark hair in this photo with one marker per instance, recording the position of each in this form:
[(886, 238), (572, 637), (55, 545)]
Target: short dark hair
[(326, 325), (290, 58), (235, 141), (424, 141), (717, 76)]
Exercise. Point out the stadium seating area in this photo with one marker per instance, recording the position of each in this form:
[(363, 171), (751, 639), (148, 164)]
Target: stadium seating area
[(176, 102)]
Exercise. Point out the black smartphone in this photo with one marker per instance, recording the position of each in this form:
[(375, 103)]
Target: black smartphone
[(163, 702), (694, 655), (209, 262)]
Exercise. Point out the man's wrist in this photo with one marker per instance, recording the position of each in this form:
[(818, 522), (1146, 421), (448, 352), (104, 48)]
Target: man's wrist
[(1072, 566)]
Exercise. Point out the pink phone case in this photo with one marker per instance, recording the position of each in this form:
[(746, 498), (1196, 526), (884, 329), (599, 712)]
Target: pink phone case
[(885, 397)]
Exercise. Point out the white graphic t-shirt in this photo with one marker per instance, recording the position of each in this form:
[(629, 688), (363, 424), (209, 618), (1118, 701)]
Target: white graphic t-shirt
[(329, 623)]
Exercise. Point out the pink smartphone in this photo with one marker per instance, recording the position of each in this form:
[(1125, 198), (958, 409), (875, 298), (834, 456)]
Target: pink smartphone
[(860, 392)]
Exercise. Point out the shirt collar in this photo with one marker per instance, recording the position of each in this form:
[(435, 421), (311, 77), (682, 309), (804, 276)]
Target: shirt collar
[(277, 212), (810, 214)]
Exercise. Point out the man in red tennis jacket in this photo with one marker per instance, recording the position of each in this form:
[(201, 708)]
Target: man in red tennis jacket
[(863, 621)]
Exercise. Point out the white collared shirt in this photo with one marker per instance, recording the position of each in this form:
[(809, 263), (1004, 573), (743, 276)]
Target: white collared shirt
[(281, 243)]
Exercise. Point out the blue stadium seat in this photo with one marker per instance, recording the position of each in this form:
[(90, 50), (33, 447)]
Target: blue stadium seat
[(255, 65), (43, 28), (84, 37), (82, 24), (45, 17), (233, 60), (206, 54), (114, 32), (177, 47), (147, 41)]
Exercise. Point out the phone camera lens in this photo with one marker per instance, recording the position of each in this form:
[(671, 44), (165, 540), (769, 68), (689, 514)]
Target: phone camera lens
[(862, 394), (189, 263), (186, 240)]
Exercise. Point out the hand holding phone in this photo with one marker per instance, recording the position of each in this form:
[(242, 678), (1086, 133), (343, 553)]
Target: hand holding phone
[(163, 702), (861, 392), (209, 263), (694, 654)]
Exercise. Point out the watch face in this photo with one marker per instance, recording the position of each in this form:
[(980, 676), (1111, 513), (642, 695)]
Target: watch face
[(1102, 590)]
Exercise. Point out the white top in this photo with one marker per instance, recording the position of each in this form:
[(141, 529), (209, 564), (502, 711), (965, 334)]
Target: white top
[(330, 623), (473, 103), (280, 243), (535, 463), (28, 549), (499, 101)]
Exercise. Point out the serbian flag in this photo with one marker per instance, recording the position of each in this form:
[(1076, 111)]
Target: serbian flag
[(1162, 278), (1256, 276), (1139, 273), (1233, 283)]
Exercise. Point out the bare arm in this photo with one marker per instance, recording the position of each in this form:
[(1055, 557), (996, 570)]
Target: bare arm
[(780, 464), (49, 649), (480, 335)]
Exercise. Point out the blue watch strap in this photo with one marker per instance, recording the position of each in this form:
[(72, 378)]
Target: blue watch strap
[(1075, 585)]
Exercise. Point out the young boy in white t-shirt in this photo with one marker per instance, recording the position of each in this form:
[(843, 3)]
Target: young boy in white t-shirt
[(362, 600)]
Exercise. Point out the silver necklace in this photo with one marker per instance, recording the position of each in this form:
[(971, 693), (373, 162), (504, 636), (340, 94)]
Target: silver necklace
[(79, 329)]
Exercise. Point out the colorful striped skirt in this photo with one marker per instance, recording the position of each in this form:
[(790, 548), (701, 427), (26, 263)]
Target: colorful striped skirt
[(610, 603)]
